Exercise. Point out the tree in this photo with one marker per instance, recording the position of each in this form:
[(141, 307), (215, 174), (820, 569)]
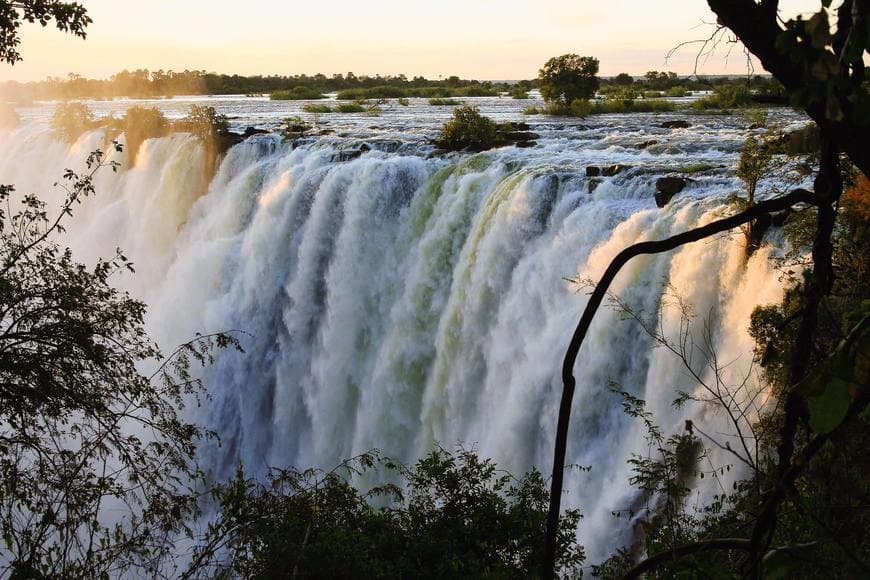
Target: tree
[(822, 70), (69, 17), (455, 515), (623, 79), (569, 77), (82, 431), (468, 129)]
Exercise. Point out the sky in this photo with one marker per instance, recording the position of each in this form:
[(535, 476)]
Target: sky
[(482, 39)]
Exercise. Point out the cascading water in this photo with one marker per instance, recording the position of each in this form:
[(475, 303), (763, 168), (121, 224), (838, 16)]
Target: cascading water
[(397, 301)]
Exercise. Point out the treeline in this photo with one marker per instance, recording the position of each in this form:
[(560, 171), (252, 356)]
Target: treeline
[(143, 83)]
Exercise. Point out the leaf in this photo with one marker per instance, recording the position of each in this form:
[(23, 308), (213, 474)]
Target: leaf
[(829, 409)]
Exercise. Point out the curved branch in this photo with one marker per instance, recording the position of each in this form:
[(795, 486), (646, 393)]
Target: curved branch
[(568, 381), (654, 562)]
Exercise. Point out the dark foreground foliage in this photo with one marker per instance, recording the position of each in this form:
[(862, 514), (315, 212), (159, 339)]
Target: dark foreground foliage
[(452, 515)]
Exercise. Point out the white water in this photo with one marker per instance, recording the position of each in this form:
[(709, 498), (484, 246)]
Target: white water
[(399, 302)]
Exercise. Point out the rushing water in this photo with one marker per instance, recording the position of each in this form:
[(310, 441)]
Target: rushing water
[(401, 301)]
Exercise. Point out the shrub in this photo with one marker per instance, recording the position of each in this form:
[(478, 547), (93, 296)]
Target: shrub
[(725, 97), (355, 107), (468, 129), (474, 91), (380, 92), (519, 93), (456, 516), (533, 110), (316, 108), (205, 123), (677, 91), (580, 108), (403, 101), (297, 94), (71, 120), (444, 102), (138, 125), (293, 128), (610, 106)]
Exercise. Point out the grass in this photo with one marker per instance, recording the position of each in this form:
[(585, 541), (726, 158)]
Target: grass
[(350, 108), (390, 92), (438, 102), (297, 94), (316, 108)]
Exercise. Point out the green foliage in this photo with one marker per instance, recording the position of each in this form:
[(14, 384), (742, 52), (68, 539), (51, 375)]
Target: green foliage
[(316, 108), (293, 128), (403, 101), (205, 123), (677, 91), (69, 17), (454, 515), (468, 129), (569, 77), (519, 93), (610, 106), (356, 107), (74, 403), (138, 125), (71, 120), (725, 96), (436, 102), (756, 162), (297, 94), (695, 168)]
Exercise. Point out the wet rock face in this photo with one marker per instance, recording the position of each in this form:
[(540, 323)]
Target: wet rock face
[(679, 124), (667, 188), (604, 171)]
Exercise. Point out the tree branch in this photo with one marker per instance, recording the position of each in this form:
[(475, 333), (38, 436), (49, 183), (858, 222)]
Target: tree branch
[(568, 381)]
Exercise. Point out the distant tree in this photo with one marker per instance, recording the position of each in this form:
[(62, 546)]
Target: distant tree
[(468, 129), (569, 77), (623, 79), (71, 120), (69, 17)]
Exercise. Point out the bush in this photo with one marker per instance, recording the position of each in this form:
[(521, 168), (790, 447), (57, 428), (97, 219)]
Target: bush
[(355, 107), (444, 102), (380, 92), (293, 128), (457, 516), (468, 129), (403, 101), (725, 97), (519, 93), (297, 94), (580, 108), (316, 108), (138, 125), (611, 106), (205, 123), (71, 120)]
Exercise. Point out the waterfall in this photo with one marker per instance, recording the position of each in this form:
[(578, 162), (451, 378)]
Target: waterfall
[(399, 302)]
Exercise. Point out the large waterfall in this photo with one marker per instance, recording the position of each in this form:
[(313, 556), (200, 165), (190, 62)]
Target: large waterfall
[(400, 301)]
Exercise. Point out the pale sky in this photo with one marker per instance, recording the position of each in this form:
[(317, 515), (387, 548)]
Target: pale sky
[(483, 39)]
